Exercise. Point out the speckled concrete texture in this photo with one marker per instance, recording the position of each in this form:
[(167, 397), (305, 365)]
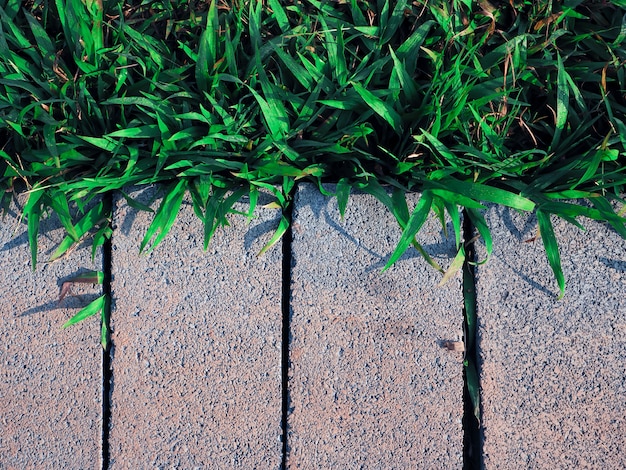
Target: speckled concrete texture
[(369, 384), (553, 371), (197, 344), (50, 378)]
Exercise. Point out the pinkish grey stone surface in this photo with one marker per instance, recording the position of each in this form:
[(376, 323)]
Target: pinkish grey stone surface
[(197, 359), (197, 344), (50, 378), (553, 371), (370, 385)]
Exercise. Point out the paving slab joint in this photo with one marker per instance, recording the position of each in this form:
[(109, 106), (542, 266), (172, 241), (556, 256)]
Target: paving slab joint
[(286, 316), (107, 376), (472, 451)]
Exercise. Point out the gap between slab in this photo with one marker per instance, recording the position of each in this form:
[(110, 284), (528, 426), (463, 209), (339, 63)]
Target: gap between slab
[(472, 454), (107, 377), (286, 316), (472, 448)]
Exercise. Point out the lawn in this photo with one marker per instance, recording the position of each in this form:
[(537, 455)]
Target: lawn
[(513, 102)]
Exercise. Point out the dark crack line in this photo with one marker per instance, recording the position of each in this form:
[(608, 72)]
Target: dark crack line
[(286, 316), (106, 353), (472, 448)]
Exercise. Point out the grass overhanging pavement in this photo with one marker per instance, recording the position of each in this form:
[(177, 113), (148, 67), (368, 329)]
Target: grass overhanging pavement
[(512, 102)]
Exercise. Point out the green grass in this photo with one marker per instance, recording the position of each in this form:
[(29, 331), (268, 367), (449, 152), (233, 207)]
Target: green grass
[(517, 103)]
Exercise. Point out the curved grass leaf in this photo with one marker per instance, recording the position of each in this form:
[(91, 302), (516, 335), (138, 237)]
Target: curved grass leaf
[(473, 387), (377, 105), (32, 211), (455, 266), (165, 216), (396, 203), (413, 226), (105, 336), (552, 249), (342, 192), (374, 188), (478, 220), (568, 210), (134, 203), (481, 192), (93, 308), (218, 207), (400, 207), (406, 82), (272, 108), (283, 225), (90, 277), (334, 43), (606, 212), (562, 101), (58, 202), (92, 218), (469, 302)]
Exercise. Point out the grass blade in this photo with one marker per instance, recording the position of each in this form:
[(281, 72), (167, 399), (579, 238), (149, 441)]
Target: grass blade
[(377, 105), (478, 220), (93, 217), (562, 102), (283, 225), (406, 82), (480, 192), (58, 202), (32, 211), (93, 308), (414, 224), (455, 266), (91, 277), (342, 191), (398, 207), (335, 49), (607, 213), (218, 207), (165, 216), (105, 337), (272, 108), (207, 49), (552, 249), (473, 387)]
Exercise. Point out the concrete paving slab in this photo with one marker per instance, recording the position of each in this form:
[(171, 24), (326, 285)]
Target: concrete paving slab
[(553, 371), (197, 344), (370, 385), (50, 378)]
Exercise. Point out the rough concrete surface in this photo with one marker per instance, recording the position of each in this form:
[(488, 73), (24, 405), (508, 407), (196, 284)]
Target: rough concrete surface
[(196, 361), (370, 385), (50, 378), (553, 371)]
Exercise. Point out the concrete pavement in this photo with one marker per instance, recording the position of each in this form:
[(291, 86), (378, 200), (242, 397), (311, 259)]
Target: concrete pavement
[(197, 364), (370, 384), (50, 378), (553, 372)]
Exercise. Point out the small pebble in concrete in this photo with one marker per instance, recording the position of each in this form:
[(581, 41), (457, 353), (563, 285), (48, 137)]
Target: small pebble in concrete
[(369, 384), (50, 378), (553, 371), (196, 360)]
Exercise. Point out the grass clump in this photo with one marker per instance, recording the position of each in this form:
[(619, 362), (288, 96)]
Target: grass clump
[(518, 103)]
